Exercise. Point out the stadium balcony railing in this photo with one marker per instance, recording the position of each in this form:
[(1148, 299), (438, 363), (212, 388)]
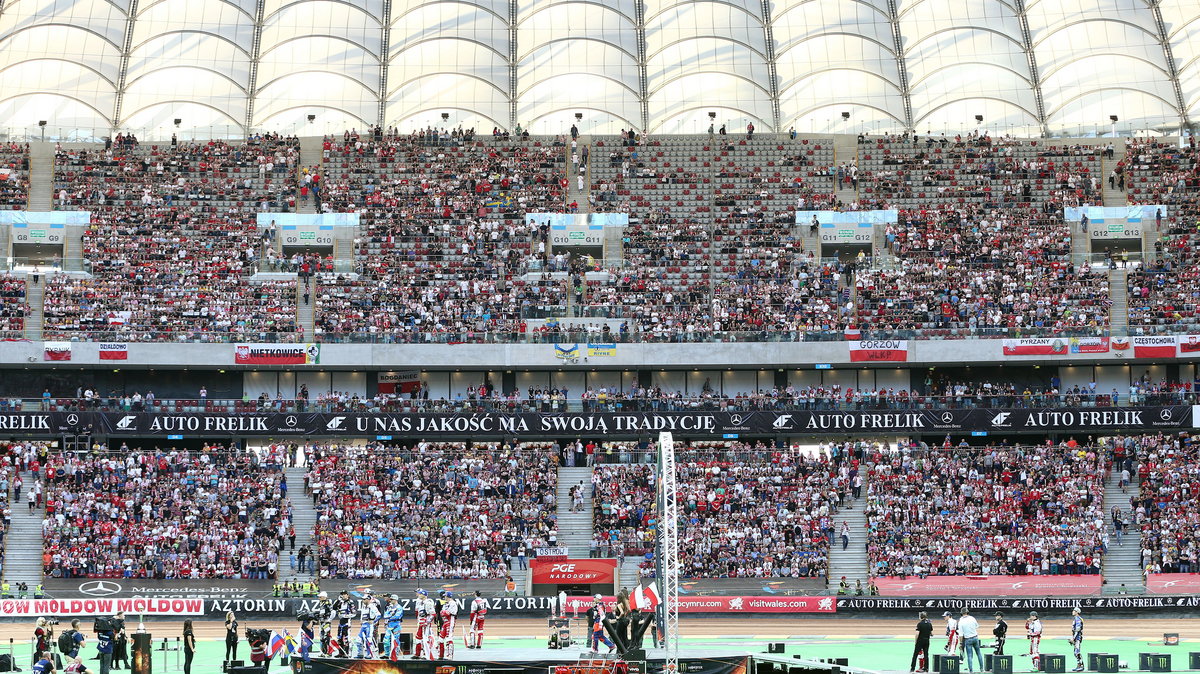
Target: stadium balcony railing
[(665, 404)]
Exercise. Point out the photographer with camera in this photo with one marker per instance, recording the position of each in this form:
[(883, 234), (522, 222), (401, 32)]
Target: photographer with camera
[(70, 642), (42, 634), (257, 638), (120, 642), (103, 628)]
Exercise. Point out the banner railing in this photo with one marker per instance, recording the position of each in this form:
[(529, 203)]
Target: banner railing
[(136, 402)]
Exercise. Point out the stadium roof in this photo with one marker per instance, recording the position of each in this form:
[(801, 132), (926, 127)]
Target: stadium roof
[(222, 66)]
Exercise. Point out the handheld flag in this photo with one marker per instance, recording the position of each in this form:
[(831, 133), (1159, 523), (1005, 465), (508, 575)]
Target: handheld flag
[(275, 645)]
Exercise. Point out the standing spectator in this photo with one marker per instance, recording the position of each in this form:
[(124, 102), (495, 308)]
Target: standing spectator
[(968, 627), (189, 646)]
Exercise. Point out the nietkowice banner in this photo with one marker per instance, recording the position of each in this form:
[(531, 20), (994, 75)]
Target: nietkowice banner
[(697, 424)]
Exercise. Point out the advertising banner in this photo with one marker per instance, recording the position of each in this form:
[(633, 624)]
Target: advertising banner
[(631, 424), (879, 351), (569, 663), (563, 571), (731, 604), (69, 608), (990, 586), (1173, 583), (277, 354), (1094, 604)]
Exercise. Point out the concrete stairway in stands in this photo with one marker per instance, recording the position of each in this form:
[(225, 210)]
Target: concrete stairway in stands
[(574, 194), (1079, 242), (845, 151), (304, 516), (1122, 563), (851, 562), (575, 528), (1118, 292), (311, 154), (23, 542), (35, 294), (1112, 196), (629, 572), (41, 176), (304, 312)]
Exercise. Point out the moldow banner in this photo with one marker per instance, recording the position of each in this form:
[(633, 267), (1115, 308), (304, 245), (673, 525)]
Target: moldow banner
[(69, 608), (633, 424)]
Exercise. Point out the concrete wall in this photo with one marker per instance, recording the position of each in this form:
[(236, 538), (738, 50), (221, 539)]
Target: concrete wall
[(495, 358)]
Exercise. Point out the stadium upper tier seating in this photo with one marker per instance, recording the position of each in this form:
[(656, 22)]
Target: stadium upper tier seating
[(173, 241), (13, 306), (141, 514), (438, 510), (712, 250), (14, 176), (1164, 296)]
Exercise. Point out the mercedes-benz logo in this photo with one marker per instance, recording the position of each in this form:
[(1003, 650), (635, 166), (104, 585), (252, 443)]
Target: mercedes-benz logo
[(291, 420), (1165, 414), (99, 588), (735, 420), (72, 419), (947, 417)]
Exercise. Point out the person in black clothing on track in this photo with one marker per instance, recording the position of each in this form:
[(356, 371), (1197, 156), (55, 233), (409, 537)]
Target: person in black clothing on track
[(921, 648)]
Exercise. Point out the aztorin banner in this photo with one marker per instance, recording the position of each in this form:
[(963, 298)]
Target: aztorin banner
[(633, 424)]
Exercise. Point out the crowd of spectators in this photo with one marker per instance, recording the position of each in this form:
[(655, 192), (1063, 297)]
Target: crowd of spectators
[(445, 245), (214, 513), (14, 176), (435, 510), (172, 241), (1165, 499), (758, 512), (14, 308), (1164, 293), (624, 508), (1002, 510)]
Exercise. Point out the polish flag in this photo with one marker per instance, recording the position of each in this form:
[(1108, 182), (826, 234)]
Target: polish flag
[(646, 598)]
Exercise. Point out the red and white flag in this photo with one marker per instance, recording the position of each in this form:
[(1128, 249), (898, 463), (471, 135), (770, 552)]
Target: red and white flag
[(57, 351), (1189, 345), (646, 598), (111, 351), (879, 351), (1154, 347)]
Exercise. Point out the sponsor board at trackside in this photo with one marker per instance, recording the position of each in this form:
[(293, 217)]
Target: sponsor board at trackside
[(534, 424), (94, 607), (976, 604)]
